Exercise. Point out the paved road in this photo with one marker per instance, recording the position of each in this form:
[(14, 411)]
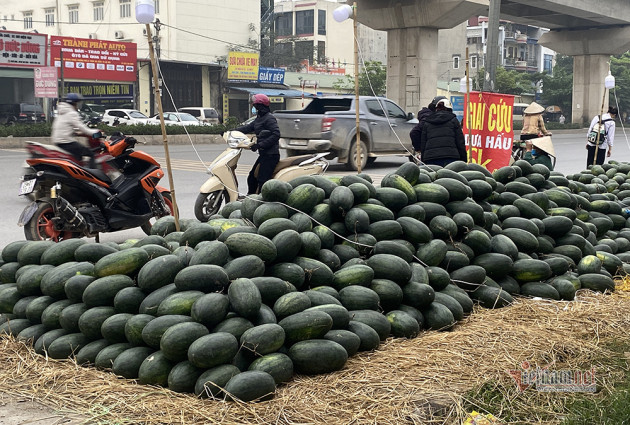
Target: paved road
[(189, 174)]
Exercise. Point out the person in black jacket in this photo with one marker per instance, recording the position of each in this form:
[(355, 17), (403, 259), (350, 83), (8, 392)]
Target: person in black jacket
[(423, 114), (267, 133), (442, 139)]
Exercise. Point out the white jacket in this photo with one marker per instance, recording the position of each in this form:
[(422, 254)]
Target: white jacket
[(68, 125)]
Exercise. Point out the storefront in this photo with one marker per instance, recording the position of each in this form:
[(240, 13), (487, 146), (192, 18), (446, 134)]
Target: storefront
[(104, 72), (20, 53), (245, 77)]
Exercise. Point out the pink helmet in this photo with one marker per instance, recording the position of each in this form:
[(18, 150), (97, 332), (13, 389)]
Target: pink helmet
[(260, 99)]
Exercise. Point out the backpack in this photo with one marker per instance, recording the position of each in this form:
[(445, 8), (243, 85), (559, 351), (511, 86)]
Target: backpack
[(598, 128)]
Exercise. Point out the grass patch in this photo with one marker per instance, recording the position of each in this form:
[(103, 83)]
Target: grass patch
[(608, 405)]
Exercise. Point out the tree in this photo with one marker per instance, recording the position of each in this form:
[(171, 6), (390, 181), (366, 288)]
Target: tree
[(558, 87), (620, 68), (372, 80)]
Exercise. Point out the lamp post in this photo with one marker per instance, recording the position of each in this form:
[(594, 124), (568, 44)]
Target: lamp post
[(145, 12), (341, 14), (609, 83)]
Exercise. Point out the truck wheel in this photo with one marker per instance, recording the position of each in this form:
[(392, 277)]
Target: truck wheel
[(352, 156)]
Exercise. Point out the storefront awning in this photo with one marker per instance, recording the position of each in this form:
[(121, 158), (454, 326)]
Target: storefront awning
[(271, 92)]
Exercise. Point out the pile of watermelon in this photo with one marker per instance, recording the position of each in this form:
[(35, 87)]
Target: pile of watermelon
[(310, 272)]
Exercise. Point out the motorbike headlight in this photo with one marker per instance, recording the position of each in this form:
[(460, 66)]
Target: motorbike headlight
[(233, 143)]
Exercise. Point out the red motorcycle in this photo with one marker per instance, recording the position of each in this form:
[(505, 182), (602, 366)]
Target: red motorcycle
[(85, 202)]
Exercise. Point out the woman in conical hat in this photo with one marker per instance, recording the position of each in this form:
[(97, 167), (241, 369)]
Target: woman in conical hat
[(540, 151), (533, 123)]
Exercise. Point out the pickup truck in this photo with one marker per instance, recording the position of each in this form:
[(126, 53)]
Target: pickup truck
[(329, 123)]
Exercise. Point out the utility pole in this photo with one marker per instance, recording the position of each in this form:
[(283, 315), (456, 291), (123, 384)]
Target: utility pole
[(492, 46)]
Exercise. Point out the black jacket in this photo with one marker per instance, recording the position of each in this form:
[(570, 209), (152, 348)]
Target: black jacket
[(442, 137), (267, 145), (416, 132)]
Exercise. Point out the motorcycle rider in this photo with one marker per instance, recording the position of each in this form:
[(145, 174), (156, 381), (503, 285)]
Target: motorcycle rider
[(68, 124), (267, 133)]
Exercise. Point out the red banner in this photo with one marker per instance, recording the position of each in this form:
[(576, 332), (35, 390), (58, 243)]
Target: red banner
[(488, 128), (90, 59)]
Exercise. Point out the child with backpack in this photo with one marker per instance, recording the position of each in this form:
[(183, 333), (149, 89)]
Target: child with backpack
[(601, 136)]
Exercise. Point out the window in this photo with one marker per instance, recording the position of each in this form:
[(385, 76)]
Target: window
[(284, 24), (304, 22), (394, 111), (321, 22), (455, 62), (98, 11), (28, 20), (321, 52), (73, 14), (50, 17), (376, 107), (548, 63), (473, 61), (157, 6), (304, 50), (125, 8), (284, 49)]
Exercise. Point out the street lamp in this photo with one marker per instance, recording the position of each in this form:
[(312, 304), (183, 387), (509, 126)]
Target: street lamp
[(341, 14), (609, 83), (145, 13)]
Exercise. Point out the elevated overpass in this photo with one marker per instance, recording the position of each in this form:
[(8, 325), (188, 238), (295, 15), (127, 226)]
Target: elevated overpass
[(588, 30)]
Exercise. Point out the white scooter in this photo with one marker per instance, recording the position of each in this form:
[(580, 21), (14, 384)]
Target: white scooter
[(222, 186)]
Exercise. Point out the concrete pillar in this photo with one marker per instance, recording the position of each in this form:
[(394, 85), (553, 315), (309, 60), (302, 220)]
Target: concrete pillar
[(205, 87), (589, 72), (591, 50), (412, 66)]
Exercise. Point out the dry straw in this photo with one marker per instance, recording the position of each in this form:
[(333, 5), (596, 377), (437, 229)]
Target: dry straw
[(405, 381)]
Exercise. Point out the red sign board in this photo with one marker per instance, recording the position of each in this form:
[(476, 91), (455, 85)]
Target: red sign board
[(22, 49), (488, 128), (90, 59), (46, 82)]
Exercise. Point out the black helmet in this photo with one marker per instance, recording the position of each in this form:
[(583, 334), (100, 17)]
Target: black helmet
[(435, 101), (73, 98)]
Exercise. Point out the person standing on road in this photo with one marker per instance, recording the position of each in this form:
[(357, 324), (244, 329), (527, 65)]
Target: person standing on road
[(267, 144), (606, 137), (68, 125), (416, 132), (442, 139), (533, 122)]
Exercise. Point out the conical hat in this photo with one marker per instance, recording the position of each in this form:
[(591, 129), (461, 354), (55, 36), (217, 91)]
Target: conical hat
[(545, 144), (534, 108)]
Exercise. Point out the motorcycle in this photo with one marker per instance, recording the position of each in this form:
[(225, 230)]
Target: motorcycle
[(85, 202), (222, 186)]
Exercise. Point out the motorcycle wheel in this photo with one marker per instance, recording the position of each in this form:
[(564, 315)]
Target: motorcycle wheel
[(208, 204), (168, 200), (40, 227)]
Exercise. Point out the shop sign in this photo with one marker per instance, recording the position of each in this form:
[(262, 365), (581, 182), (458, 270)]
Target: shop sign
[(90, 59), (46, 82), (488, 129), (95, 91), (271, 75), (243, 66), (22, 49)]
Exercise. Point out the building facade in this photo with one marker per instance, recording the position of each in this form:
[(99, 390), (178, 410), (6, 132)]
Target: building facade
[(192, 41)]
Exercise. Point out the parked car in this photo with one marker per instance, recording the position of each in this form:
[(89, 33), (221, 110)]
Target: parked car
[(115, 117), (21, 113), (329, 124), (204, 115), (175, 118), (92, 110)]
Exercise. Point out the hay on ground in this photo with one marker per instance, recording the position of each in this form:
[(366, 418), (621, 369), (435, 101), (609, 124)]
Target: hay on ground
[(404, 381)]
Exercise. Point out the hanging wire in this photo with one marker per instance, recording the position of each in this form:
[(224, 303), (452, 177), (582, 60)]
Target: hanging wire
[(623, 128)]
